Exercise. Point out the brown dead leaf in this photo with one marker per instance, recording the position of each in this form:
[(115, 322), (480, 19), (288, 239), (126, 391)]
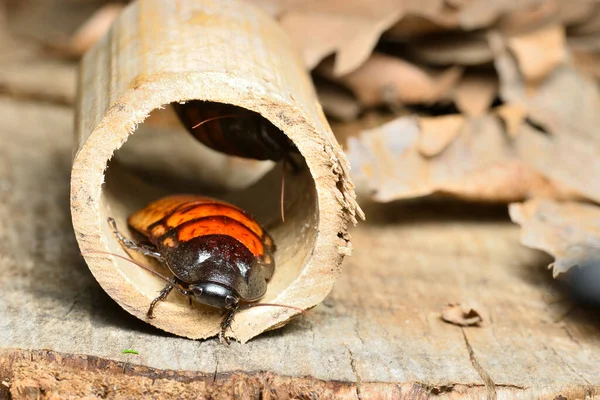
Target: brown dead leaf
[(358, 48), (460, 49), (475, 92), (466, 313), (539, 52), (480, 164), (484, 13), (437, 133), (414, 26), (370, 120), (527, 19), (337, 102), (589, 25), (316, 35), (382, 75), (569, 231), (587, 62), (566, 105), (513, 117), (350, 29)]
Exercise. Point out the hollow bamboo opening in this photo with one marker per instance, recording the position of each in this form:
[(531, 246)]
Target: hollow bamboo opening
[(160, 52)]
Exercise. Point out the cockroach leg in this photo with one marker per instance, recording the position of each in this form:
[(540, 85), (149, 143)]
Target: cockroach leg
[(162, 296), (130, 244), (227, 323)]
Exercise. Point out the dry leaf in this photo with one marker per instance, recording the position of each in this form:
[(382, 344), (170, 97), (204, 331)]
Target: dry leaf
[(385, 78), (450, 49), (483, 13), (530, 18), (587, 62), (350, 29), (475, 93), (540, 52), (565, 104), (414, 26), (316, 35), (370, 120), (589, 25), (337, 102), (513, 117), (480, 164), (466, 313), (437, 133), (569, 231), (355, 51)]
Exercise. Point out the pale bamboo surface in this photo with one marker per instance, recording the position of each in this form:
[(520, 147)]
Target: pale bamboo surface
[(378, 333), (161, 51)]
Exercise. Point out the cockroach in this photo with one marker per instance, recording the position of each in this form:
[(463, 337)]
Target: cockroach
[(219, 255), (237, 132)]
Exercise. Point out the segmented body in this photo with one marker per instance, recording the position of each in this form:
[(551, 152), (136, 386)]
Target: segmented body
[(234, 130), (206, 240)]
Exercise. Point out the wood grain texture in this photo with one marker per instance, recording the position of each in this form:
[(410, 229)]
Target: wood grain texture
[(378, 334), (164, 51)]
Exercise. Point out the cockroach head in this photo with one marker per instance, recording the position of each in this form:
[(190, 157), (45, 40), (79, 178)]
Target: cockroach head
[(214, 295)]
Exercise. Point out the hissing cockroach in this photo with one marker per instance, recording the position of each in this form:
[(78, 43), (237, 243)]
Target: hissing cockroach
[(219, 255), (235, 131)]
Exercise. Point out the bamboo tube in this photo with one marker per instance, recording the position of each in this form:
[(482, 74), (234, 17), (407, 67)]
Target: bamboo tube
[(164, 51)]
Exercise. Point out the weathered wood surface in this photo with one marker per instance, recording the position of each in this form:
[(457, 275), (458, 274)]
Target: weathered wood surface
[(379, 333)]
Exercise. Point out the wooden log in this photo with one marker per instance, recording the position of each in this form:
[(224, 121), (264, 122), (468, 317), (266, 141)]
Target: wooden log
[(378, 334), (159, 52)]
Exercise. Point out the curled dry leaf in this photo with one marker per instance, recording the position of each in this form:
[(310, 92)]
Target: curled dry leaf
[(587, 62), (463, 49), (539, 52), (475, 92), (337, 103), (383, 78), (350, 29), (531, 17), (415, 26), (466, 313), (569, 231), (513, 117), (589, 25), (566, 105), (437, 133), (358, 48), (484, 13), (479, 164)]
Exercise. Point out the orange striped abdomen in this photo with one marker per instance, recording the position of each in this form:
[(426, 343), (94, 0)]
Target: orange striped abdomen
[(176, 219)]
